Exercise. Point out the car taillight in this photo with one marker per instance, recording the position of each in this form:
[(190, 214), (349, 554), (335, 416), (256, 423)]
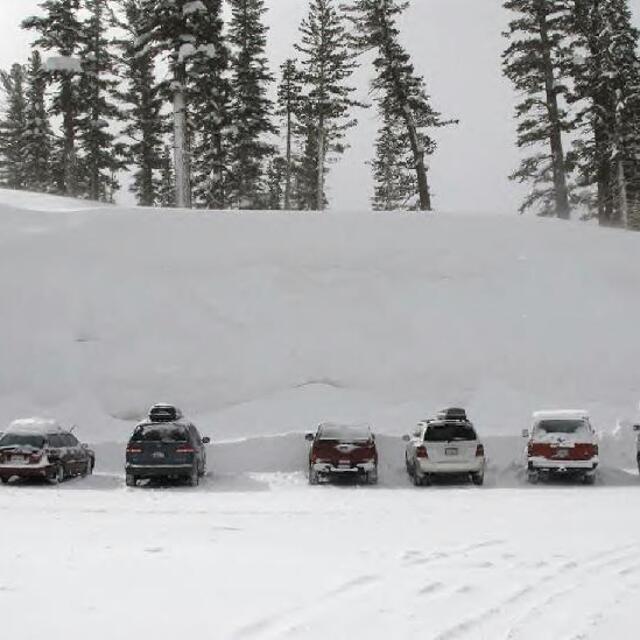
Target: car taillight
[(595, 449), (134, 450), (421, 452), (185, 450), (535, 449), (480, 451)]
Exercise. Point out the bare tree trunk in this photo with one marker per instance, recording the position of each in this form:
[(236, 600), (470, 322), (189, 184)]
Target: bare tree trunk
[(561, 192), (287, 186), (68, 151), (320, 166), (181, 153)]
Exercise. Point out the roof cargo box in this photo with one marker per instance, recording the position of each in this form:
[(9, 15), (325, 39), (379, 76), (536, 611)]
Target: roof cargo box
[(453, 413), (164, 413)]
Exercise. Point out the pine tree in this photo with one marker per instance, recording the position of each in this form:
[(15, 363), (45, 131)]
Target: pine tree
[(394, 176), (143, 105), (60, 33), (251, 107), (608, 80), (327, 62), (276, 179), (38, 137), (289, 96), (13, 126), (209, 97), (537, 61), (402, 91), (170, 28), (102, 157), (167, 188)]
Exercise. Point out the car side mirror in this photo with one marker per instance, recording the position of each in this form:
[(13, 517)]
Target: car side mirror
[(206, 440), (525, 433), (636, 427), (310, 437), (406, 438), (84, 445)]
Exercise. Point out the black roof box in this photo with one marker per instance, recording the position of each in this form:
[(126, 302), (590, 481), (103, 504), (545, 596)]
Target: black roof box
[(164, 413), (453, 413)]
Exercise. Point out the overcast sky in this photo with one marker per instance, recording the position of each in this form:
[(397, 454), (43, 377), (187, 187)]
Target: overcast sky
[(456, 44)]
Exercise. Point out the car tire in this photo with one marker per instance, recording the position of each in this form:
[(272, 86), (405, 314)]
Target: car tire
[(4, 480), (478, 478), (533, 477), (130, 480), (371, 477), (408, 465), (589, 479), (313, 477), (58, 475), (88, 469), (194, 478), (418, 479)]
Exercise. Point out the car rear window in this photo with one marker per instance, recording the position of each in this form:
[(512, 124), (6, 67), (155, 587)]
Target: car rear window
[(22, 440), (160, 433), (561, 426), (449, 432), (344, 433)]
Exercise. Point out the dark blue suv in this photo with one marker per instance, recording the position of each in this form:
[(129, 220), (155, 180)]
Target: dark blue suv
[(166, 446)]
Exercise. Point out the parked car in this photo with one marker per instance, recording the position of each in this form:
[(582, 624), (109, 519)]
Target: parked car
[(343, 451), (166, 446), (445, 446), (562, 442), (38, 448)]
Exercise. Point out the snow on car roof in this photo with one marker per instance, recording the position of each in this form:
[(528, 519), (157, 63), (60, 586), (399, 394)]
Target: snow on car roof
[(34, 425), (562, 414), (335, 431)]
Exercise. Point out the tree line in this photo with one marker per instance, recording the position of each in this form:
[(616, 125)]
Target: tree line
[(180, 94), (576, 68)]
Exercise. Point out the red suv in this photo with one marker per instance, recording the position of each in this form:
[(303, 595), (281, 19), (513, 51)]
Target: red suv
[(343, 451)]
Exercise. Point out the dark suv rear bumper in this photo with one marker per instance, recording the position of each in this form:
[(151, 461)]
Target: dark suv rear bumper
[(143, 472)]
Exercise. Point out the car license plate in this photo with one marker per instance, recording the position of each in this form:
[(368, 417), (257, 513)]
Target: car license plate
[(344, 464), (451, 451), (158, 455), (18, 459), (562, 453)]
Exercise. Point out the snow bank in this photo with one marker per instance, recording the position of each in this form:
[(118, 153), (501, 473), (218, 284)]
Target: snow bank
[(259, 324)]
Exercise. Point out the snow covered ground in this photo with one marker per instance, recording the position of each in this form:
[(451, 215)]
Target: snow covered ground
[(260, 326)]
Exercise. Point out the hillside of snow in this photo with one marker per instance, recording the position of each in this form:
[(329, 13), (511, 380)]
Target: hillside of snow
[(268, 323)]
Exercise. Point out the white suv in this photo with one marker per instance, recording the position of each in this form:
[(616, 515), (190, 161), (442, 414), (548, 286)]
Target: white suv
[(444, 447), (562, 442)]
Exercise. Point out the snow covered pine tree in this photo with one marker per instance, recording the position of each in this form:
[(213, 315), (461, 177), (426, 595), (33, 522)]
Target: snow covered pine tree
[(103, 157), (289, 91), (38, 136), (538, 61), (327, 62), (60, 32), (402, 92), (142, 107), (251, 107), (13, 126), (607, 80)]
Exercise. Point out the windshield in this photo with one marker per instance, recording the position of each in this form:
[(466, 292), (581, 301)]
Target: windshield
[(560, 426), (344, 433), (22, 440), (449, 432), (160, 433)]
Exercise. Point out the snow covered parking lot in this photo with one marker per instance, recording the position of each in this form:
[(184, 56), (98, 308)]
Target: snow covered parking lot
[(268, 557)]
